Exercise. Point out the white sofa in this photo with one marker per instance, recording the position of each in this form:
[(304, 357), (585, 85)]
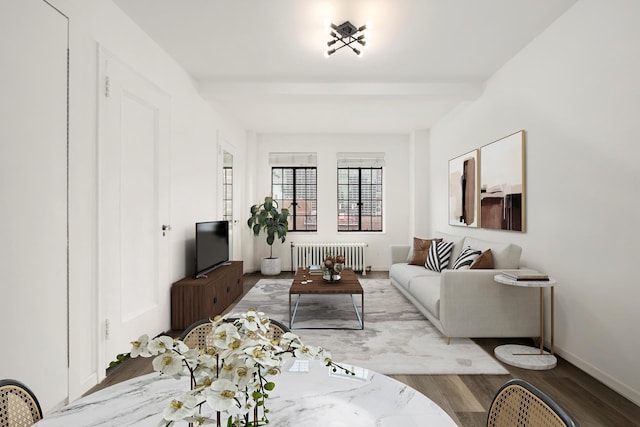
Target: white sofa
[(469, 303)]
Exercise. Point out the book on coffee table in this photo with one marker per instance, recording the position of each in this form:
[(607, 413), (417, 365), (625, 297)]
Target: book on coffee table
[(524, 275), (315, 269)]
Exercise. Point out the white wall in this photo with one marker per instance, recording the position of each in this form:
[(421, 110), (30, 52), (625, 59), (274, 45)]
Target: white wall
[(195, 127), (33, 193), (395, 192), (575, 92)]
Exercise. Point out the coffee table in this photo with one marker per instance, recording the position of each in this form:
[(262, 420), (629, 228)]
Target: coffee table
[(305, 283)]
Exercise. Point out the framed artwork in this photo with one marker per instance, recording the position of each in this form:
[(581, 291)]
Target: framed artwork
[(463, 190), (502, 189)]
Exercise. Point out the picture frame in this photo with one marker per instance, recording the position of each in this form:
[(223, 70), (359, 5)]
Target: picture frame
[(463, 190), (502, 183)]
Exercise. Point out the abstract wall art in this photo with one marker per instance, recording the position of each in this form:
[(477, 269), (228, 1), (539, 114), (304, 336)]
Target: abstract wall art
[(502, 183), (463, 190)]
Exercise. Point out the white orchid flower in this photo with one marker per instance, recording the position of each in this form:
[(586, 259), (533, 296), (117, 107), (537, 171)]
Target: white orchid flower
[(228, 374), (169, 363), (221, 395), (226, 336), (160, 344), (307, 352), (140, 347), (251, 320), (180, 408)]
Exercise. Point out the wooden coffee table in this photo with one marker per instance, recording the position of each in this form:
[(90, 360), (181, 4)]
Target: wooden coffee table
[(349, 284)]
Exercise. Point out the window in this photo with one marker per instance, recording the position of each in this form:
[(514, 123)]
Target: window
[(359, 199), (295, 188), (227, 193)]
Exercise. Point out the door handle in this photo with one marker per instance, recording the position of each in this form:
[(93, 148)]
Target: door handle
[(165, 228)]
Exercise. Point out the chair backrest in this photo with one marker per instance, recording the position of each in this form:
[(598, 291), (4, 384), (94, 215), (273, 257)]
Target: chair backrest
[(18, 405), (198, 334), (276, 330), (519, 403)]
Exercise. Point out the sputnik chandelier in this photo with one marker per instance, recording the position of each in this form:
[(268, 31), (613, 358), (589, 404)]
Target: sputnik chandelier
[(345, 35)]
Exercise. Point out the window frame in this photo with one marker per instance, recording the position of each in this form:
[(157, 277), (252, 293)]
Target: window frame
[(293, 214), (360, 203)]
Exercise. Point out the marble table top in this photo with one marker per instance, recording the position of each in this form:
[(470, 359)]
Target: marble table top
[(307, 394)]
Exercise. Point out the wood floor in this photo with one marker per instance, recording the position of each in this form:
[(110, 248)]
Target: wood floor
[(466, 398)]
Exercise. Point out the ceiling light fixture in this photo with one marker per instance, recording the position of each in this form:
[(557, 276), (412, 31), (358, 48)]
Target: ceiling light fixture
[(347, 34)]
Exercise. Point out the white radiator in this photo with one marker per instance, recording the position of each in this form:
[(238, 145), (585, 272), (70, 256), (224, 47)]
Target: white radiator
[(306, 254)]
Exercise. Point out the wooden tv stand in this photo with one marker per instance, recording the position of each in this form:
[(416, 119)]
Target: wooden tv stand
[(195, 299)]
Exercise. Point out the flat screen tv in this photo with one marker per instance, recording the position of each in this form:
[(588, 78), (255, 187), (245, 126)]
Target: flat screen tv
[(212, 246)]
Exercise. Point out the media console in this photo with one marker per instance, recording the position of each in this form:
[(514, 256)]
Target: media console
[(195, 299)]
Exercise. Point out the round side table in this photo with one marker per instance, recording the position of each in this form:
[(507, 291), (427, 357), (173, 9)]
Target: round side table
[(523, 356)]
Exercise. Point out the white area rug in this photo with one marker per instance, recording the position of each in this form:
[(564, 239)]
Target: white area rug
[(397, 338)]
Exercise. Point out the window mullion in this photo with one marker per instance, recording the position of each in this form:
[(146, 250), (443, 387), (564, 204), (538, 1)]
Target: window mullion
[(359, 199), (294, 203)]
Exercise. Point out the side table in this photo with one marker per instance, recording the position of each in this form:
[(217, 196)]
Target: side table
[(523, 356)]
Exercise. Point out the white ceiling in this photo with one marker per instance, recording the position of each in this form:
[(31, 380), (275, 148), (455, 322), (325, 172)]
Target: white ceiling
[(262, 60)]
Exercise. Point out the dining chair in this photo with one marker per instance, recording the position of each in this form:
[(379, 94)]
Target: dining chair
[(519, 403), (276, 330), (18, 405), (198, 334)]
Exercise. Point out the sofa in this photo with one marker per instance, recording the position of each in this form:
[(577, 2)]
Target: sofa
[(468, 302)]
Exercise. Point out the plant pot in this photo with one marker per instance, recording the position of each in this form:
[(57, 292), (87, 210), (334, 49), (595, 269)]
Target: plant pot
[(270, 266)]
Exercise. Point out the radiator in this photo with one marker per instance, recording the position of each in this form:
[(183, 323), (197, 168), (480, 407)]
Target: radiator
[(306, 254)]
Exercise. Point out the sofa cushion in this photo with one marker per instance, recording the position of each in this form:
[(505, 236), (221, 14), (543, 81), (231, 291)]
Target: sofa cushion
[(484, 261), (467, 257), (505, 255), (426, 289), (419, 251), (439, 254), (402, 273), (457, 243)]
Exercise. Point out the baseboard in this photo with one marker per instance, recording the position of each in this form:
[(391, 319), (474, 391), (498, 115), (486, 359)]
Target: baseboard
[(603, 377)]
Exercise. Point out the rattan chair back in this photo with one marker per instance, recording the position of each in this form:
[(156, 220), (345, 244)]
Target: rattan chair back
[(18, 405), (520, 404), (276, 330), (198, 335)]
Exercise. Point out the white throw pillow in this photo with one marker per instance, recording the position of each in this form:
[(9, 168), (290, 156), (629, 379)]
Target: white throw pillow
[(466, 258), (438, 258)]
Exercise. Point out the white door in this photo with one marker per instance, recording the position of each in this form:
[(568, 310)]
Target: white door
[(133, 198)]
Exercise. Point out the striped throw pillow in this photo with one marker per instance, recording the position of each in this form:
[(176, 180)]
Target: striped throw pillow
[(438, 258), (466, 258)]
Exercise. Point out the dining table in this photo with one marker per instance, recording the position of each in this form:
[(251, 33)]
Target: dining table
[(307, 393)]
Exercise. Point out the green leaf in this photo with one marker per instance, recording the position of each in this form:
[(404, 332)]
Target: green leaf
[(257, 395), (270, 386)]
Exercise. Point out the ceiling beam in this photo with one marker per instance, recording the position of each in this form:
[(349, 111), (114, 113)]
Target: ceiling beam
[(238, 90)]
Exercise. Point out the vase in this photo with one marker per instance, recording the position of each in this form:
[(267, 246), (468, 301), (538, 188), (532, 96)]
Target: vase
[(331, 277)]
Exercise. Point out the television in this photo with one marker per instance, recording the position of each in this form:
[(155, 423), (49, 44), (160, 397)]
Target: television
[(212, 246)]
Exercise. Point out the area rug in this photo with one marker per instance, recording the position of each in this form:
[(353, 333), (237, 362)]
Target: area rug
[(397, 338)]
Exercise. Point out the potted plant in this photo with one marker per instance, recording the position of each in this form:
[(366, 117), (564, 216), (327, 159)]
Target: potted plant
[(274, 223)]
